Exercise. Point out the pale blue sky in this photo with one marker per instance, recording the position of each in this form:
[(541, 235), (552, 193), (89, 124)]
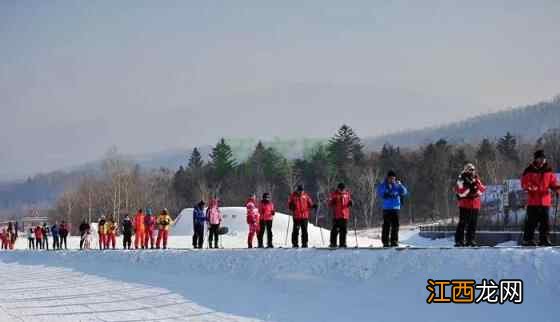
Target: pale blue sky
[(77, 77)]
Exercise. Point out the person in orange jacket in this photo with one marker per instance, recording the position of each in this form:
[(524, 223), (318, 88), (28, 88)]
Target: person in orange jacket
[(111, 233), (139, 229), (341, 202), (164, 221), (538, 180), (300, 203), (149, 228)]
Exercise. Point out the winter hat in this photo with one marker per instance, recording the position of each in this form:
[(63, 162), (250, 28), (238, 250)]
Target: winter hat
[(539, 154), (149, 211), (266, 196), (341, 186), (468, 167), (299, 187), (391, 173)]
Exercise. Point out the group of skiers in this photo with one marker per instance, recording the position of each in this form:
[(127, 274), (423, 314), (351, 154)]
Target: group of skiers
[(38, 237), (149, 230)]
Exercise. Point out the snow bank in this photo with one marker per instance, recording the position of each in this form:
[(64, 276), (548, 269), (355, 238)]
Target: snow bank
[(323, 285), (235, 220)]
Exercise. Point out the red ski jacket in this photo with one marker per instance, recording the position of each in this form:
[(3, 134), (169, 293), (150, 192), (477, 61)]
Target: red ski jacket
[(340, 202), (266, 210), (538, 182), (139, 222), (300, 205), (467, 198)]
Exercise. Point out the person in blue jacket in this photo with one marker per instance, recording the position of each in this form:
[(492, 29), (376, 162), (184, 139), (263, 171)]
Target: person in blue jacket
[(199, 217), (391, 191)]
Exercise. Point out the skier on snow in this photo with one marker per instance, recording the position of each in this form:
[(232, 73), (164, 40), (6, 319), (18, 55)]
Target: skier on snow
[(55, 231), (101, 232), (469, 188), (127, 232), (139, 229), (39, 237), (252, 219), (111, 233), (538, 180), (267, 211), (149, 228), (84, 231), (199, 217), (164, 221), (214, 220), (63, 234), (391, 191), (341, 202), (300, 204), (45, 236)]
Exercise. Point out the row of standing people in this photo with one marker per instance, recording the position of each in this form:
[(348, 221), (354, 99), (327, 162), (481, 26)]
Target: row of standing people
[(149, 231), (38, 237)]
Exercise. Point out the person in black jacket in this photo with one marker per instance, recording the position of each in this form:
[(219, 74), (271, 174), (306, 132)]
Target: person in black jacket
[(127, 232), (63, 230), (46, 231), (84, 229)]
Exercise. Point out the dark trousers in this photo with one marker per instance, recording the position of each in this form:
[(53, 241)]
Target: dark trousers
[(56, 242), (127, 240), (300, 223), (198, 236), (82, 239), (390, 227), (63, 241), (213, 235), (265, 225), (46, 243), (537, 215), (31, 243), (340, 230), (467, 219), (39, 243)]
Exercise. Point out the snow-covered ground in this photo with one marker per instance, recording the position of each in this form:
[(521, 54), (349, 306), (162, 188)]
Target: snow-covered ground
[(269, 284)]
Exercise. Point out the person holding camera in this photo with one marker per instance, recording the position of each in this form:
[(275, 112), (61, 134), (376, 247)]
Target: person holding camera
[(469, 188), (391, 191)]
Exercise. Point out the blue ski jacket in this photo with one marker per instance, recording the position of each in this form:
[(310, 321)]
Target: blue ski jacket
[(391, 194), (199, 216)]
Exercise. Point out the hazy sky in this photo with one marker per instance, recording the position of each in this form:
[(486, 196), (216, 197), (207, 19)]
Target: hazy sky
[(77, 77)]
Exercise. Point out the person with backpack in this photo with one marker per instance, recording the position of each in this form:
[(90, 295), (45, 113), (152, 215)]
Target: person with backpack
[(127, 232), (538, 180), (300, 203), (164, 221), (469, 189), (84, 231), (31, 239), (111, 233), (340, 201), (63, 234), (149, 228), (266, 211), (199, 217), (391, 191), (214, 220), (252, 220), (38, 237), (101, 231), (55, 231), (139, 229)]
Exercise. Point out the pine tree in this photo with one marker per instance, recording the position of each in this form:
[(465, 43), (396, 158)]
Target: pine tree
[(222, 161), (507, 147), (344, 150), (195, 160)]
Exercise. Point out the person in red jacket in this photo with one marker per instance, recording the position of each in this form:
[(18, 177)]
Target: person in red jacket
[(300, 204), (252, 220), (266, 210), (340, 202), (149, 228), (469, 188), (139, 229), (538, 180)]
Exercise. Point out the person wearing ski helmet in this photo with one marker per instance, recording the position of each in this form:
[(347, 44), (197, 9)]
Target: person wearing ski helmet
[(164, 221), (199, 218), (101, 229), (469, 189), (300, 203), (127, 232), (391, 191), (340, 202), (266, 211), (214, 220), (538, 180), (149, 228), (139, 229), (252, 219)]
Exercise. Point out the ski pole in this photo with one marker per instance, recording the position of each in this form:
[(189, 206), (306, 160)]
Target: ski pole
[(355, 232), (287, 230), (317, 225)]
